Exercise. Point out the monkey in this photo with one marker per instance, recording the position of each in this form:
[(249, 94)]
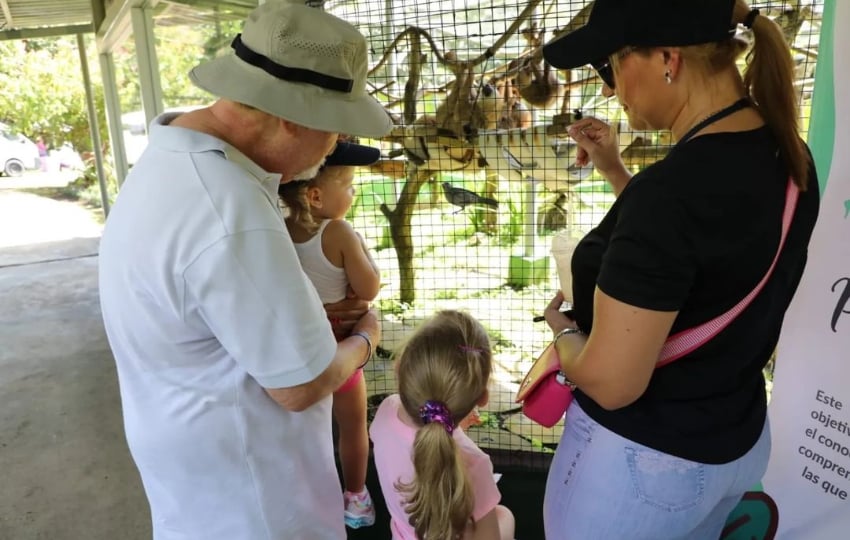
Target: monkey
[(470, 105), (518, 116), (539, 88), (536, 82), (515, 113)]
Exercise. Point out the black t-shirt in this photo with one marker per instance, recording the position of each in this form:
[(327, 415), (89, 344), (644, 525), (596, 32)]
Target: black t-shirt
[(695, 233)]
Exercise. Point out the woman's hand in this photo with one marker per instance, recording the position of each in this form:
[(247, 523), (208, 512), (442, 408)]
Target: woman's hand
[(555, 318), (598, 143)]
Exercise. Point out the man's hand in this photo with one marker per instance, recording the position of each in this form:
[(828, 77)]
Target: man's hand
[(345, 314), (349, 355), (370, 323)]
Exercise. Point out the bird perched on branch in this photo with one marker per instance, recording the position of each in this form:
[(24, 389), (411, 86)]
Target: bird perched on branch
[(463, 197), (552, 215)]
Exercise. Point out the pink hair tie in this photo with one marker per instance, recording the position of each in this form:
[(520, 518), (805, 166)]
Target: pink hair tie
[(436, 411), (469, 349)]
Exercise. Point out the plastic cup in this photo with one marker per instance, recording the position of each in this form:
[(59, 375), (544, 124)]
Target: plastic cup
[(563, 246)]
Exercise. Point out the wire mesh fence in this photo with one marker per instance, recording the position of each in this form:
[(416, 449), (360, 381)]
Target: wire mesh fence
[(477, 109), (478, 176)]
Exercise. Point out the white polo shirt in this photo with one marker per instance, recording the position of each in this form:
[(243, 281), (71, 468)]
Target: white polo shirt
[(205, 303)]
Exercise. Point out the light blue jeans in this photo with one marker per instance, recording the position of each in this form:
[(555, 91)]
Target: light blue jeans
[(603, 486)]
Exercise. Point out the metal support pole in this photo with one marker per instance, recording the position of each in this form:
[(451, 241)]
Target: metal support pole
[(93, 125), (389, 34), (113, 117), (148, 65)]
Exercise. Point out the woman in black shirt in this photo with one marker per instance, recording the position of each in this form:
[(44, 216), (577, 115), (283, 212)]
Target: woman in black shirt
[(667, 453)]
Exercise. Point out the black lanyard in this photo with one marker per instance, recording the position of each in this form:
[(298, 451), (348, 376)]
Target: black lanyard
[(723, 113)]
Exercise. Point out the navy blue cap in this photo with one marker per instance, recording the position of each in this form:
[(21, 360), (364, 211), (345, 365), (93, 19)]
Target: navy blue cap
[(616, 24), (348, 153)]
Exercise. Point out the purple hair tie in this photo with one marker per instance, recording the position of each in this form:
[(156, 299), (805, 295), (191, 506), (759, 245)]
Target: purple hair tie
[(469, 349), (436, 411)]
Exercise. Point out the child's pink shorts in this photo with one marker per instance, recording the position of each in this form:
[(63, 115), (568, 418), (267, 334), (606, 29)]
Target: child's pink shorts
[(351, 382)]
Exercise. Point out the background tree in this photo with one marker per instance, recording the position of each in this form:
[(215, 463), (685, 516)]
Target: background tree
[(43, 91)]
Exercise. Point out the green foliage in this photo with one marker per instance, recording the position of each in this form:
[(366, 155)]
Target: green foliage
[(43, 92), (488, 420), (445, 294), (86, 188), (373, 190), (179, 49), (511, 233), (391, 306), (478, 216)]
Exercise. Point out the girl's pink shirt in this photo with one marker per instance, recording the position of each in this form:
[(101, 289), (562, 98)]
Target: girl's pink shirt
[(393, 446)]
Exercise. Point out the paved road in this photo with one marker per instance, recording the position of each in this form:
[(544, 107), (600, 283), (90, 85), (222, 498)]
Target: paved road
[(37, 179), (27, 218), (65, 471)]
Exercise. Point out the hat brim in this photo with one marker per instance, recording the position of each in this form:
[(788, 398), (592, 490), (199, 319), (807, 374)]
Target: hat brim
[(581, 47), (351, 154), (230, 78)]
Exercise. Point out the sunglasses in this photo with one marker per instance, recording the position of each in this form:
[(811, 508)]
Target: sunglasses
[(604, 68), (605, 71)]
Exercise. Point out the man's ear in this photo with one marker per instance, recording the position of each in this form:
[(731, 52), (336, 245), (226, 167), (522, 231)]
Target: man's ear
[(484, 399)]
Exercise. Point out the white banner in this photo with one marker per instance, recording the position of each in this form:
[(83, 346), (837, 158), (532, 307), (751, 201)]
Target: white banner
[(809, 471)]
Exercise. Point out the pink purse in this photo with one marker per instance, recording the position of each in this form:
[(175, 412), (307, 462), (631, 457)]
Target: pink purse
[(545, 392)]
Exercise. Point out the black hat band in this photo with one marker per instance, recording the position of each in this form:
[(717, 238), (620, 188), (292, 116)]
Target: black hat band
[(291, 74)]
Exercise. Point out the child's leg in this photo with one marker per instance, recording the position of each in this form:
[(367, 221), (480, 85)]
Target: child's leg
[(349, 409)]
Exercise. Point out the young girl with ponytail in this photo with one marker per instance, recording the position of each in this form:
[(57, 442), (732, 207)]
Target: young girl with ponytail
[(438, 485)]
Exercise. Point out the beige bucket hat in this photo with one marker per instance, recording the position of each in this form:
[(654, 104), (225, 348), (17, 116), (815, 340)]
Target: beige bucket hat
[(301, 64)]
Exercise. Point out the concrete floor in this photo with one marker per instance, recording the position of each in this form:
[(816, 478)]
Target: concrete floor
[(65, 471)]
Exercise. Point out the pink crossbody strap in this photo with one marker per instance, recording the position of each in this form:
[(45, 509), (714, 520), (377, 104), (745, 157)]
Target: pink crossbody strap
[(684, 342)]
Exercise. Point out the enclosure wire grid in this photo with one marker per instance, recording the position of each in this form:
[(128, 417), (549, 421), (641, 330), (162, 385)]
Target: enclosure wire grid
[(477, 177)]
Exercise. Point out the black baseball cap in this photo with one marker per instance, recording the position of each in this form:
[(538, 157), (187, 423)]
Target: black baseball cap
[(615, 24), (353, 154)]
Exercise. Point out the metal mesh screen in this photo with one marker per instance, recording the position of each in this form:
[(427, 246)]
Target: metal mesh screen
[(476, 109)]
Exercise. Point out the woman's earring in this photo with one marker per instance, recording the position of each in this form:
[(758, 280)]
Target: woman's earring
[(668, 77)]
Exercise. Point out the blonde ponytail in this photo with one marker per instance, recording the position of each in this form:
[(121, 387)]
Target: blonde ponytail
[(444, 366), (440, 501), (769, 80)]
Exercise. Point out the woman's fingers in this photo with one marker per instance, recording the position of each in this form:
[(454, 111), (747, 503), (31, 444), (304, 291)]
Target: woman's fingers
[(582, 157), (555, 303)]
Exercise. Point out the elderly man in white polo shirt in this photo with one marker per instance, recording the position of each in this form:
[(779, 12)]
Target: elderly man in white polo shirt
[(226, 358)]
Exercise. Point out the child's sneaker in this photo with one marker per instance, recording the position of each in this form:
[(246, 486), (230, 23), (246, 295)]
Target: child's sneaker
[(359, 511)]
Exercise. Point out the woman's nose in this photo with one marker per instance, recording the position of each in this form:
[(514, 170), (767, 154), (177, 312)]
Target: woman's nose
[(607, 91)]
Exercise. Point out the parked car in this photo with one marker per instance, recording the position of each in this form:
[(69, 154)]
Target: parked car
[(65, 157), (135, 135), (17, 152)]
